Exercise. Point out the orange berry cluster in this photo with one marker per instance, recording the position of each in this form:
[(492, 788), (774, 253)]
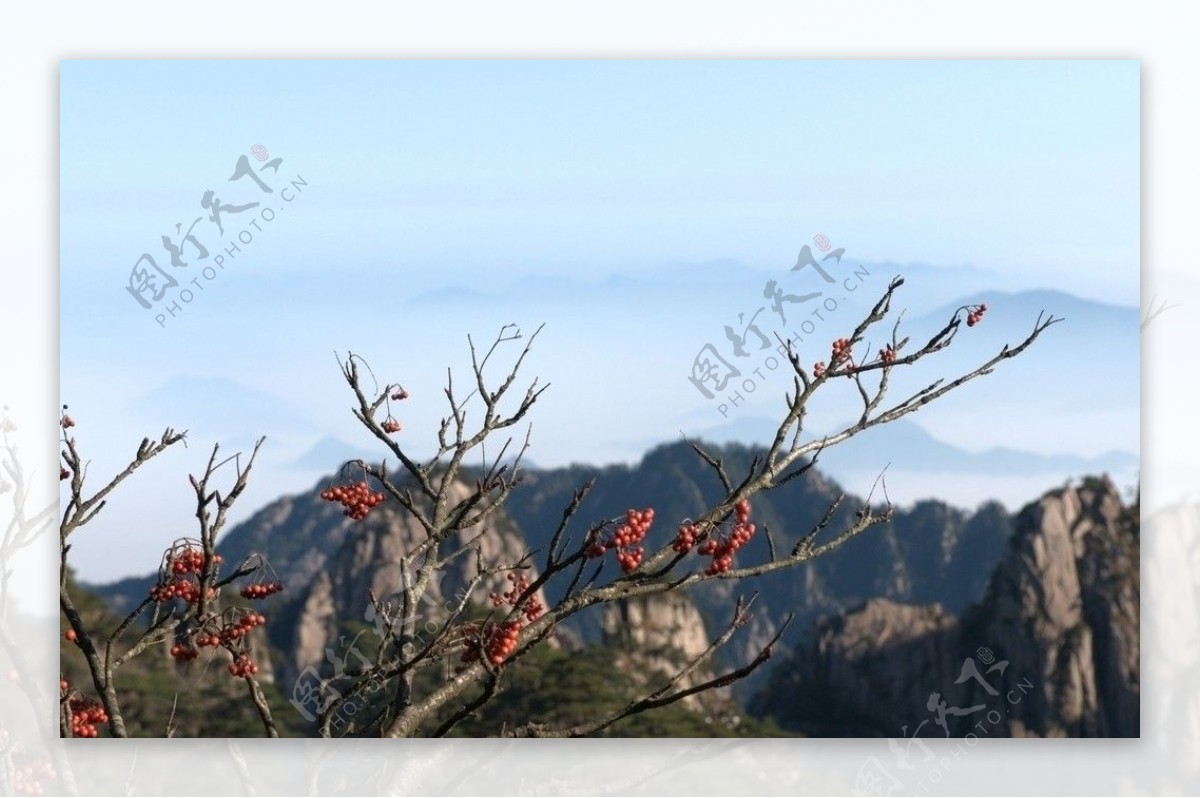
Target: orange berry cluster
[(243, 627), (189, 561), (501, 641), (85, 714), (204, 639), (180, 575), (722, 551), (357, 499), (627, 539), (887, 355), (520, 583), (179, 588), (975, 316), (686, 538), (841, 350), (390, 425), (184, 653), (260, 590), (30, 778), (242, 666)]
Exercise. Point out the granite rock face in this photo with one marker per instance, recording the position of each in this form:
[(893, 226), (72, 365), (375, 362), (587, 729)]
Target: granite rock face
[(1051, 649), (368, 562)]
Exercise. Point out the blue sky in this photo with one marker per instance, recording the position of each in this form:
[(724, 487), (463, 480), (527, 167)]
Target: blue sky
[(636, 207)]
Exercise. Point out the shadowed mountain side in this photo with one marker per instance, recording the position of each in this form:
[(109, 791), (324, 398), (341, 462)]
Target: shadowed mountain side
[(1051, 649)]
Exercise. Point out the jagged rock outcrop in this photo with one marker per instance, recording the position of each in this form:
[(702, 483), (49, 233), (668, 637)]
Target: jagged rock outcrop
[(1063, 609), (654, 637), (665, 625), (1051, 648), (369, 562)]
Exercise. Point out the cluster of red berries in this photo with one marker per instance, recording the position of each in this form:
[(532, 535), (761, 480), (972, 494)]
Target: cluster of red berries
[(189, 560), (887, 355), (630, 559), (67, 422), (204, 639), (184, 653), (818, 370), (627, 539), (260, 590), (722, 551), (85, 714), (520, 583), (63, 473), (181, 570), (501, 642), (180, 587), (242, 666), (390, 425), (841, 350), (30, 778), (357, 499), (686, 538), (243, 627), (975, 316)]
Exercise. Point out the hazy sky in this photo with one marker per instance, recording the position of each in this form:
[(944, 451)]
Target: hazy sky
[(481, 168), (636, 207)]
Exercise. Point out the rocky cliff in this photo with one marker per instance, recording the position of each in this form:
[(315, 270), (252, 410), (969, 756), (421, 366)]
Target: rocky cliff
[(1051, 648), (654, 637), (336, 602)]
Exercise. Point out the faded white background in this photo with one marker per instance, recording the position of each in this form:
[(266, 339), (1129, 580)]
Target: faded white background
[(34, 37)]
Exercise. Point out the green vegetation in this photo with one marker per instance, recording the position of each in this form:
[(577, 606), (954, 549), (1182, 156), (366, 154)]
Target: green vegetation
[(564, 688), (206, 700)]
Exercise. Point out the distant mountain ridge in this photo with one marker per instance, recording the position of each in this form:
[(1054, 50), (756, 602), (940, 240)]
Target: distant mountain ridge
[(299, 533), (911, 447)]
